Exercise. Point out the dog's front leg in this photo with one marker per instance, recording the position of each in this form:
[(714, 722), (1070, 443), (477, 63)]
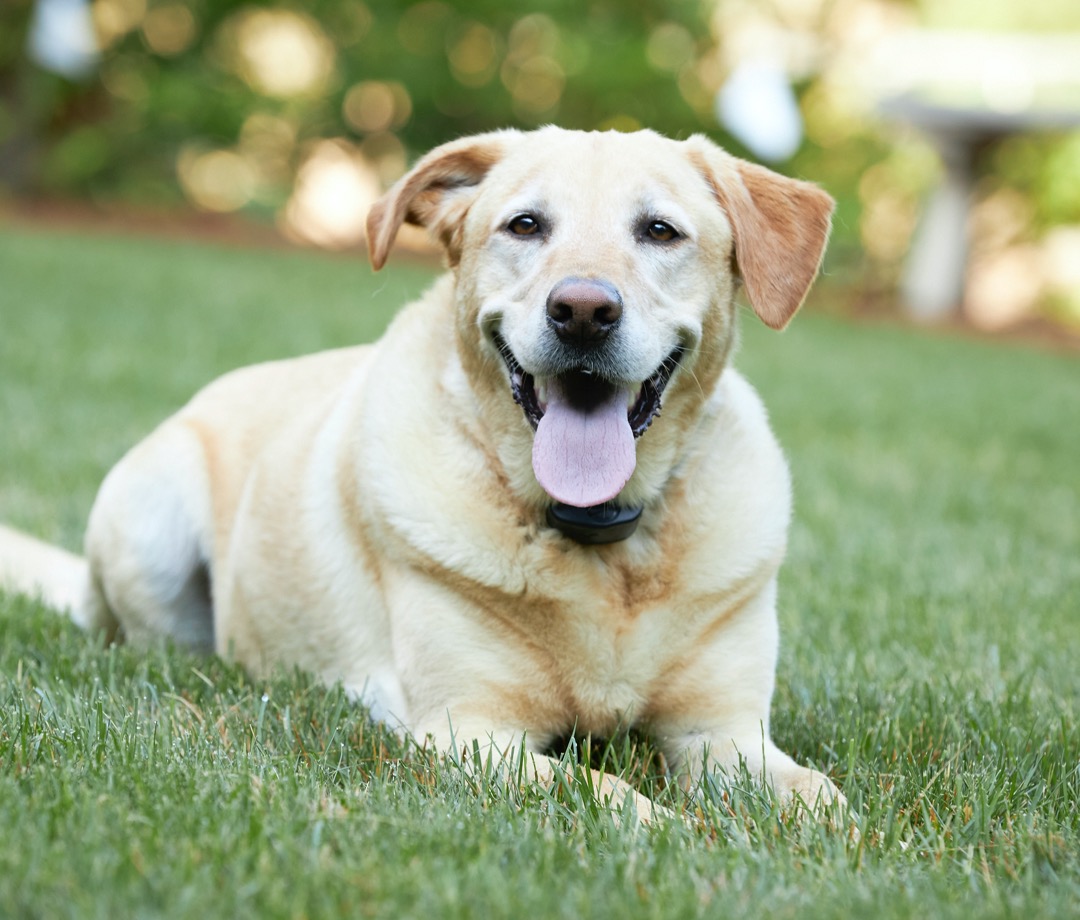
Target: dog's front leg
[(468, 741), (718, 754), (612, 792), (711, 716)]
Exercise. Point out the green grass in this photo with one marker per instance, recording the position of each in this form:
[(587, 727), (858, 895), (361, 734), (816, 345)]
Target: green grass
[(930, 612)]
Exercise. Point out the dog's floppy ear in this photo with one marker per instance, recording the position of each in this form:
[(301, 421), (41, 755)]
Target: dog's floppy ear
[(436, 193), (780, 225)]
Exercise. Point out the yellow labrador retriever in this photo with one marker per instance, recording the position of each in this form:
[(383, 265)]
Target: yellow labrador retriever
[(542, 502)]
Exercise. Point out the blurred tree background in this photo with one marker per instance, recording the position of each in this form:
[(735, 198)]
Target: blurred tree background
[(302, 113)]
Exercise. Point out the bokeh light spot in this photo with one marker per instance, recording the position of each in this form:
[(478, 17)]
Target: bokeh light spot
[(669, 47), (335, 188), (169, 30), (374, 106), (216, 180), (113, 19), (279, 53), (473, 56)]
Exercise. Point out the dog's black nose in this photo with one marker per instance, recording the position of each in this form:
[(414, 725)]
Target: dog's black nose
[(583, 311)]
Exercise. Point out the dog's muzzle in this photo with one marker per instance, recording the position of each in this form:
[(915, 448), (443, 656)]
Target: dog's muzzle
[(586, 426)]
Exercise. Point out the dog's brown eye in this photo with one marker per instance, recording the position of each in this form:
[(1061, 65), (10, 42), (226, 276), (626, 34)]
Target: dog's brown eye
[(524, 225), (661, 231)]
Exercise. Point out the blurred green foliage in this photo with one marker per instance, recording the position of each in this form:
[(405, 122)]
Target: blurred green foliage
[(222, 102), (467, 66)]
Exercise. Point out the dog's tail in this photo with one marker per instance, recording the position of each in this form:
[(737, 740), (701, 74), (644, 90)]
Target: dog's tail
[(58, 578)]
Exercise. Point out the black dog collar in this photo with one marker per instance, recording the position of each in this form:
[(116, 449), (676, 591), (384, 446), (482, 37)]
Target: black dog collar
[(606, 523)]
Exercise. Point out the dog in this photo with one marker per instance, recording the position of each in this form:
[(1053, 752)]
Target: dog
[(542, 503)]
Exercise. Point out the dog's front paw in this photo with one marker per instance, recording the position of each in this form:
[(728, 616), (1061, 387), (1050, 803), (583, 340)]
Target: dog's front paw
[(812, 794), (810, 789), (626, 802)]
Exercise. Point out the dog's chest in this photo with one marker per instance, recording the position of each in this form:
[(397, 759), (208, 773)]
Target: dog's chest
[(609, 669), (604, 631)]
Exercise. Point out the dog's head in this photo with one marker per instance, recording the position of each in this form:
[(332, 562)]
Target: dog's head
[(596, 273)]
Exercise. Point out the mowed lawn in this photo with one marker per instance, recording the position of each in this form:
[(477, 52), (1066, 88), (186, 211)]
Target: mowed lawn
[(930, 611)]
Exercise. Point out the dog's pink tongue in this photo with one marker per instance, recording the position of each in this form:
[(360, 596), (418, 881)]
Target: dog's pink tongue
[(583, 458)]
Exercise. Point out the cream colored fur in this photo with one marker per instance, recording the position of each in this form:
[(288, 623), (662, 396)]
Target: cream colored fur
[(371, 514)]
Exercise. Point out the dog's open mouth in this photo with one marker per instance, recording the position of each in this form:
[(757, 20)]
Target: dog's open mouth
[(583, 451)]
